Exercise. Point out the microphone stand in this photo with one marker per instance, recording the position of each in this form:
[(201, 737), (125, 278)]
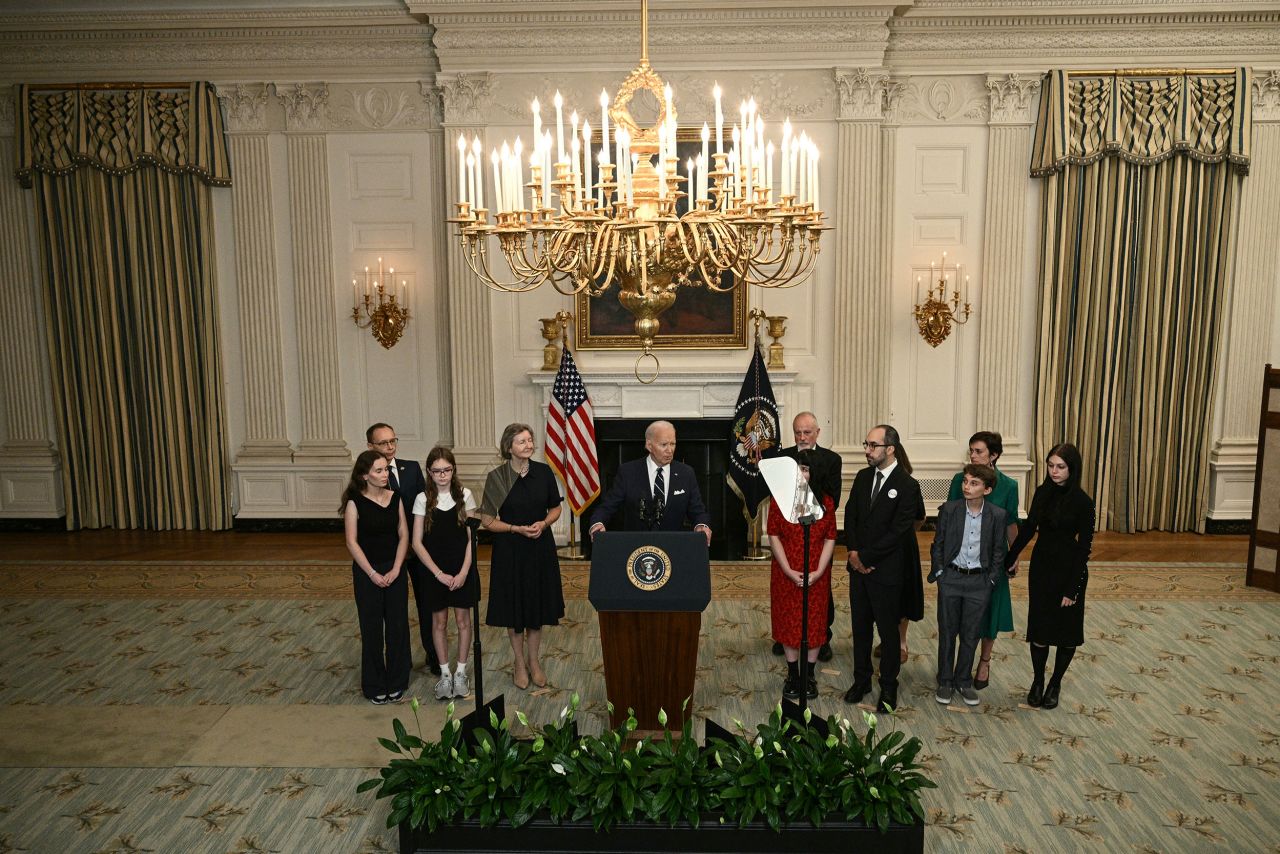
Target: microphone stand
[(806, 521)]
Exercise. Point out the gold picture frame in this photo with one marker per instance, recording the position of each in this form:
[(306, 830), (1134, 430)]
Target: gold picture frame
[(699, 319)]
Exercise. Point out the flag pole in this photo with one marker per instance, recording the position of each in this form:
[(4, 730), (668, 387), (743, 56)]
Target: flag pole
[(570, 551)]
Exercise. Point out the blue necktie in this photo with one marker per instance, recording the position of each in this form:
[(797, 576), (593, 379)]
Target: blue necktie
[(659, 488)]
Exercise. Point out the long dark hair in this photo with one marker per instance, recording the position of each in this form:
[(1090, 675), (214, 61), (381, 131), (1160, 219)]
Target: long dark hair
[(1055, 498), (455, 487), (891, 437), (357, 484)]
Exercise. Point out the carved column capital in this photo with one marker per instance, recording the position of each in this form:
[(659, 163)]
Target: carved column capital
[(433, 102), (306, 105), (1266, 96), (246, 106), (861, 93), (1012, 98), (467, 97), (8, 113)]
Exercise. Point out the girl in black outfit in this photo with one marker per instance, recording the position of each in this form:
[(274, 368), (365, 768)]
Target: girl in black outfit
[(442, 541), (1064, 516), (378, 540)]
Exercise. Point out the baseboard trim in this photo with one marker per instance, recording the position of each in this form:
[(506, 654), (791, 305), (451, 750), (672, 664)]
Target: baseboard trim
[(14, 524), (287, 526), (1227, 526)]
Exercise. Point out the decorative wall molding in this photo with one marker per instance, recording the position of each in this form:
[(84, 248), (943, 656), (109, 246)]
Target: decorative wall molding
[(245, 105), (306, 105), (1012, 98), (393, 107), (949, 100), (1266, 95), (466, 97)]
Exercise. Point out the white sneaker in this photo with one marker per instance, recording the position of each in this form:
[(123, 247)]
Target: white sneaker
[(444, 688), (461, 687)]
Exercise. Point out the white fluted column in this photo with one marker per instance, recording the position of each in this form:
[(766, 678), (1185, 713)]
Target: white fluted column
[(30, 470), (475, 435), (266, 436), (1253, 304), (314, 283), (860, 393), (1004, 249)]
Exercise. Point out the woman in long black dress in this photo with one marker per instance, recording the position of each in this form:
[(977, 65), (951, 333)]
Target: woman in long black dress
[(442, 541), (1064, 516), (521, 503), (378, 539)]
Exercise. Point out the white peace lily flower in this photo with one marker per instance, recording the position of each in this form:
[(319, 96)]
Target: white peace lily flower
[(564, 712), (875, 793), (882, 758), (558, 768)]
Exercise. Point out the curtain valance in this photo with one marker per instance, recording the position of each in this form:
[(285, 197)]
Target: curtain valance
[(119, 130), (1142, 119)]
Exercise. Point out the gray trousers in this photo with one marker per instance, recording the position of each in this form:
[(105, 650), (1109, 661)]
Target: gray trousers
[(962, 605)]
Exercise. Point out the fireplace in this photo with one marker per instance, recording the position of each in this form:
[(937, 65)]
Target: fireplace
[(703, 445)]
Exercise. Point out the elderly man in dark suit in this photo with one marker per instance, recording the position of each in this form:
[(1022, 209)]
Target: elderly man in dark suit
[(824, 479), (406, 478), (879, 511), (655, 493), (968, 550)]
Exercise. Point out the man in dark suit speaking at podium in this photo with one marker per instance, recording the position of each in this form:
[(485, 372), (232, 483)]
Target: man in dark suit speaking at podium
[(655, 493)]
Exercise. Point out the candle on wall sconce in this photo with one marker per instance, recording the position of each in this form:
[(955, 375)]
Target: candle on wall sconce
[(944, 304)]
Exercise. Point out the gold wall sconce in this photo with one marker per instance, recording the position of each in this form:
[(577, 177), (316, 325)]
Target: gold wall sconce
[(937, 313), (374, 305)]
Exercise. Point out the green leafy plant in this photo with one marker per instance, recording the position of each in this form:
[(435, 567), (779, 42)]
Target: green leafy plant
[(782, 774)]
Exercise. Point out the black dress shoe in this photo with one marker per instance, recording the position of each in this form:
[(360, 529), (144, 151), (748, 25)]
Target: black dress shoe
[(777, 647), (791, 688), (825, 653), (1050, 700), (811, 688), (888, 701), (856, 693), (979, 684), (1035, 697)]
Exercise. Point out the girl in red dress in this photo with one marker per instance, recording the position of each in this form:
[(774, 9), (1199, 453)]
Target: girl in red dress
[(786, 541)]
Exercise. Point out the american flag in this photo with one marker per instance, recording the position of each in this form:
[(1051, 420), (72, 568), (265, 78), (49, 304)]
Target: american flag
[(571, 436)]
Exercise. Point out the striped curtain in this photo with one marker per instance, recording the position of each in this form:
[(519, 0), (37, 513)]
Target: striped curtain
[(1142, 180), (121, 181)]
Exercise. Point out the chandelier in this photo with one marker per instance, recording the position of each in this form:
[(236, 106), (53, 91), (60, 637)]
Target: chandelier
[(935, 315), (597, 217), (374, 305)]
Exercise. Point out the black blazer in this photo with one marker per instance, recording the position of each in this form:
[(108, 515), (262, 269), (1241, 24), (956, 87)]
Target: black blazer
[(875, 532), (412, 483), (824, 472), (948, 537), (631, 486)]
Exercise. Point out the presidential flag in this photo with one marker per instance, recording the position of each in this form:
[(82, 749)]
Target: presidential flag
[(571, 436), (754, 435)]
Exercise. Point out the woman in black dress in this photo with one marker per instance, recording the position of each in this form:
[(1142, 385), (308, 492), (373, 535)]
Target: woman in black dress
[(442, 541), (378, 540), (521, 503), (1064, 516)]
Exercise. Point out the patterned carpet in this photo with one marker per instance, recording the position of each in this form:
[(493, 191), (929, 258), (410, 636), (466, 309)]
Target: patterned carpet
[(126, 691)]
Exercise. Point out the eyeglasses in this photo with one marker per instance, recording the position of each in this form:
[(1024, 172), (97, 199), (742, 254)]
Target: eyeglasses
[(449, 470), (386, 443), (868, 446)]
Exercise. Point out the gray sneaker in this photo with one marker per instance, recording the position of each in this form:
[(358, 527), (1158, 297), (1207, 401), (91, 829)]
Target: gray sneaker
[(461, 687), (969, 695), (444, 688), (943, 695)]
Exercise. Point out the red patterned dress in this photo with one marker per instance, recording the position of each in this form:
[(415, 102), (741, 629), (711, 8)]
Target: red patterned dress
[(785, 595)]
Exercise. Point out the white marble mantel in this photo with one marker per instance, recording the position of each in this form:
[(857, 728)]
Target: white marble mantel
[(675, 394)]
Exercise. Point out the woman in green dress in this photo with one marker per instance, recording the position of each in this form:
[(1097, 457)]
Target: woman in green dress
[(985, 448)]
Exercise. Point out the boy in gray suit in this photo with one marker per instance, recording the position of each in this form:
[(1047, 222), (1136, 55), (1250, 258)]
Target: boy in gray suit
[(968, 550)]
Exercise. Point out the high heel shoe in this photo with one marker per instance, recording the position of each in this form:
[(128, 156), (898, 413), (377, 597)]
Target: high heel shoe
[(979, 684), (520, 676), (1035, 697), (1050, 700), (539, 676)]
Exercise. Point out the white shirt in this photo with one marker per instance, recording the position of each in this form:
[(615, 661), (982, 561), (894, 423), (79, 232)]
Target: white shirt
[(444, 502), (653, 473), (884, 476)]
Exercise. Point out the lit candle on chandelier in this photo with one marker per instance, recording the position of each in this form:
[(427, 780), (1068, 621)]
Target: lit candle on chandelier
[(604, 127), (499, 200), (537, 119), (559, 102), (587, 174), (702, 163), (462, 168), (719, 120), (477, 150)]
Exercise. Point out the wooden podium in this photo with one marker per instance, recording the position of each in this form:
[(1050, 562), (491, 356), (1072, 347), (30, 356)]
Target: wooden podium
[(650, 589)]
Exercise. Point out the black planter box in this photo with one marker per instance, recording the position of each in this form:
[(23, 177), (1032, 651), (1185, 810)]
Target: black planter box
[(545, 836)]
